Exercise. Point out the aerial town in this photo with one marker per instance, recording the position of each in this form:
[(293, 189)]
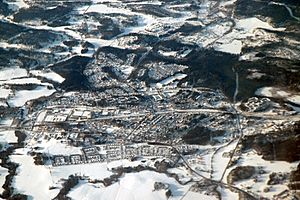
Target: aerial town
[(149, 99)]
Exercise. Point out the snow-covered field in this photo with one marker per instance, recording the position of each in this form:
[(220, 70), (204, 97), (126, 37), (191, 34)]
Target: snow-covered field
[(22, 96), (227, 194), (135, 186), (233, 41), (4, 93), (219, 162), (32, 180), (27, 182), (12, 73), (48, 75), (8, 136), (131, 186), (22, 81), (56, 147), (278, 93), (3, 173), (20, 76), (252, 159)]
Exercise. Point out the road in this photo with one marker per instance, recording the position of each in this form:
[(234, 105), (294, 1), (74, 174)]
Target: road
[(262, 115), (271, 116)]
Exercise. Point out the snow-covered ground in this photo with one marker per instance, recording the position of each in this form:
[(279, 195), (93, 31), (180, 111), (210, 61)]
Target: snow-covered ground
[(43, 177), (104, 9), (8, 136), (138, 185), (12, 73), (134, 186), (4, 93), (227, 194), (50, 75), (233, 41), (219, 162), (3, 173), (294, 99), (56, 147), (20, 76), (196, 196), (250, 24), (6, 122), (22, 96), (234, 47), (92, 170), (170, 80), (252, 159), (278, 93), (31, 179), (21, 81)]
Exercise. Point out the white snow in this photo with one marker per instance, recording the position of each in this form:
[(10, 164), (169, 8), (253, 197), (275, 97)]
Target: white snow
[(168, 53), (11, 73), (232, 42), (171, 79), (205, 168), (144, 22), (3, 104), (21, 81), (6, 45), (250, 24), (3, 173), (4, 93), (256, 75), (197, 196), (249, 57), (252, 159), (152, 2), (219, 162), (22, 96), (92, 170), (265, 91), (55, 147), (278, 93), (226, 3), (104, 9), (234, 47), (132, 186), (126, 69), (50, 75), (227, 194), (110, 130), (6, 122), (8, 136), (33, 180), (295, 99)]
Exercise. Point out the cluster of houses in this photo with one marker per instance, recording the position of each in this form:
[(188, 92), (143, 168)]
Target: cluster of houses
[(111, 152)]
